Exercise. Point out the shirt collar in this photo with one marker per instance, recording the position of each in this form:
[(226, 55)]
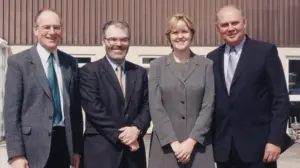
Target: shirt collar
[(114, 65), (238, 48), (44, 54)]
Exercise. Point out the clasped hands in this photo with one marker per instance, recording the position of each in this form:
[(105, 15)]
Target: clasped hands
[(129, 136), (183, 150)]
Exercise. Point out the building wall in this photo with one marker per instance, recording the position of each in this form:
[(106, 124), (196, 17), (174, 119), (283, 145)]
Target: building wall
[(137, 53), (276, 21)]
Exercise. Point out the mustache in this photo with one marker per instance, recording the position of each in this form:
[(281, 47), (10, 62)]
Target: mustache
[(118, 48)]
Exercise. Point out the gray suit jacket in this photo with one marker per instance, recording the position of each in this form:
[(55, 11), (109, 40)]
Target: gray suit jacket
[(181, 107), (28, 107)]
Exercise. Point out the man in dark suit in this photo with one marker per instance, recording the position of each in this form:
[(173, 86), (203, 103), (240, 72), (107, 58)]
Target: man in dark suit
[(252, 102), (115, 100), (42, 112)]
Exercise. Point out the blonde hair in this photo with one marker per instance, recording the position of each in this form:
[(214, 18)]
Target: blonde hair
[(173, 21)]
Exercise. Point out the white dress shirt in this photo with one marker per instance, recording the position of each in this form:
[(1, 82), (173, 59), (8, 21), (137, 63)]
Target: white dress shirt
[(114, 66), (238, 49), (44, 55)]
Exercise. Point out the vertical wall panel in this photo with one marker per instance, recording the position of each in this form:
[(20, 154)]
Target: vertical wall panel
[(64, 20), (35, 8), (6, 22), (69, 22), (1, 18), (18, 22), (81, 22), (276, 21), (24, 27)]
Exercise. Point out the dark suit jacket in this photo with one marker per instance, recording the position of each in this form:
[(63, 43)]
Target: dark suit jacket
[(107, 111), (257, 109), (28, 107)]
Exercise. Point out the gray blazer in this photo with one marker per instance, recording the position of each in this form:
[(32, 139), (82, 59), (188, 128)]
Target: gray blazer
[(28, 107), (181, 107)]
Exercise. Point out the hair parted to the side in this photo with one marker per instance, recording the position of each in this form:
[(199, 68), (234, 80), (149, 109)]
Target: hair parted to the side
[(173, 21), (117, 23)]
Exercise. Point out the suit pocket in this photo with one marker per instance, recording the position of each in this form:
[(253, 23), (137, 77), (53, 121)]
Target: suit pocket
[(26, 130)]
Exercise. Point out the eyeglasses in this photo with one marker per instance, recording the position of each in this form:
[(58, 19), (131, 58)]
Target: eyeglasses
[(114, 40), (47, 28)]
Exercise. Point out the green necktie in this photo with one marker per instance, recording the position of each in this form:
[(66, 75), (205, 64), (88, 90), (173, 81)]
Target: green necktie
[(54, 88)]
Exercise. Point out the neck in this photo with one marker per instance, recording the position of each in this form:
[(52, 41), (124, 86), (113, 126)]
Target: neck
[(183, 55), (49, 49), (115, 61)]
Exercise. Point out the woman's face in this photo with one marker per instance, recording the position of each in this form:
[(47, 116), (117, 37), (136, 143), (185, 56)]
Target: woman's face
[(181, 36)]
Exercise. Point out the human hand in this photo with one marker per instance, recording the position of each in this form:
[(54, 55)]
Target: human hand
[(76, 158), (187, 148), (134, 146), (129, 135), (19, 162), (272, 153)]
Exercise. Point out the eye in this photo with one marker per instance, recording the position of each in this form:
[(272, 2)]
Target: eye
[(174, 32), (235, 23), (224, 25), (47, 27)]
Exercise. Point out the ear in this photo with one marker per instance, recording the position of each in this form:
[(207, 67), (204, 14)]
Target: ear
[(217, 26), (245, 23), (35, 30), (103, 42)]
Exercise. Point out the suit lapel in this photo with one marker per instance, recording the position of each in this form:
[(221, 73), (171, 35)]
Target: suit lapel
[(130, 71), (110, 74), (65, 69), (220, 66), (191, 66), (39, 71), (242, 62), (172, 66)]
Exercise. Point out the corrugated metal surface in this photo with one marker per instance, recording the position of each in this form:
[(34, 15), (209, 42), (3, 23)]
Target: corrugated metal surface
[(270, 20)]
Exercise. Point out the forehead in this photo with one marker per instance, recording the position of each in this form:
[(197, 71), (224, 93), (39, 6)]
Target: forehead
[(116, 31), (229, 15), (48, 18), (179, 25)]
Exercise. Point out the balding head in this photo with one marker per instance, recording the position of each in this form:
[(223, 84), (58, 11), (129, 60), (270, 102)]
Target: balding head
[(231, 24), (44, 14), (229, 9)]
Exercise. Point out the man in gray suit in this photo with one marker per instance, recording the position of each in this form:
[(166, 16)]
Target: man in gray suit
[(42, 112)]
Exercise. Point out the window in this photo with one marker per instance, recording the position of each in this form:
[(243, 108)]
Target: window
[(83, 59), (146, 59), (293, 81), (3, 60)]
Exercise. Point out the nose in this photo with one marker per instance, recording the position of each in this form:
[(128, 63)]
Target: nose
[(51, 30), (118, 43), (230, 27), (180, 35)]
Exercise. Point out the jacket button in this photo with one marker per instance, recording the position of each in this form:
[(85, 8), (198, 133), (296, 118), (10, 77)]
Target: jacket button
[(49, 134), (50, 117), (182, 86), (183, 117), (182, 102)]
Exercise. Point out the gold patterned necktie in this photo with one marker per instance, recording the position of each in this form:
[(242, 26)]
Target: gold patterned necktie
[(119, 75)]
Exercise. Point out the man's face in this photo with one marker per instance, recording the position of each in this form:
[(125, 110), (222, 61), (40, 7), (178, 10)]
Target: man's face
[(231, 26), (116, 42), (48, 30)]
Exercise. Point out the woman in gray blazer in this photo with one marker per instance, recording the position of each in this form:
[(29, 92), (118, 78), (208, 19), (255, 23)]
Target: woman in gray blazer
[(181, 95)]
